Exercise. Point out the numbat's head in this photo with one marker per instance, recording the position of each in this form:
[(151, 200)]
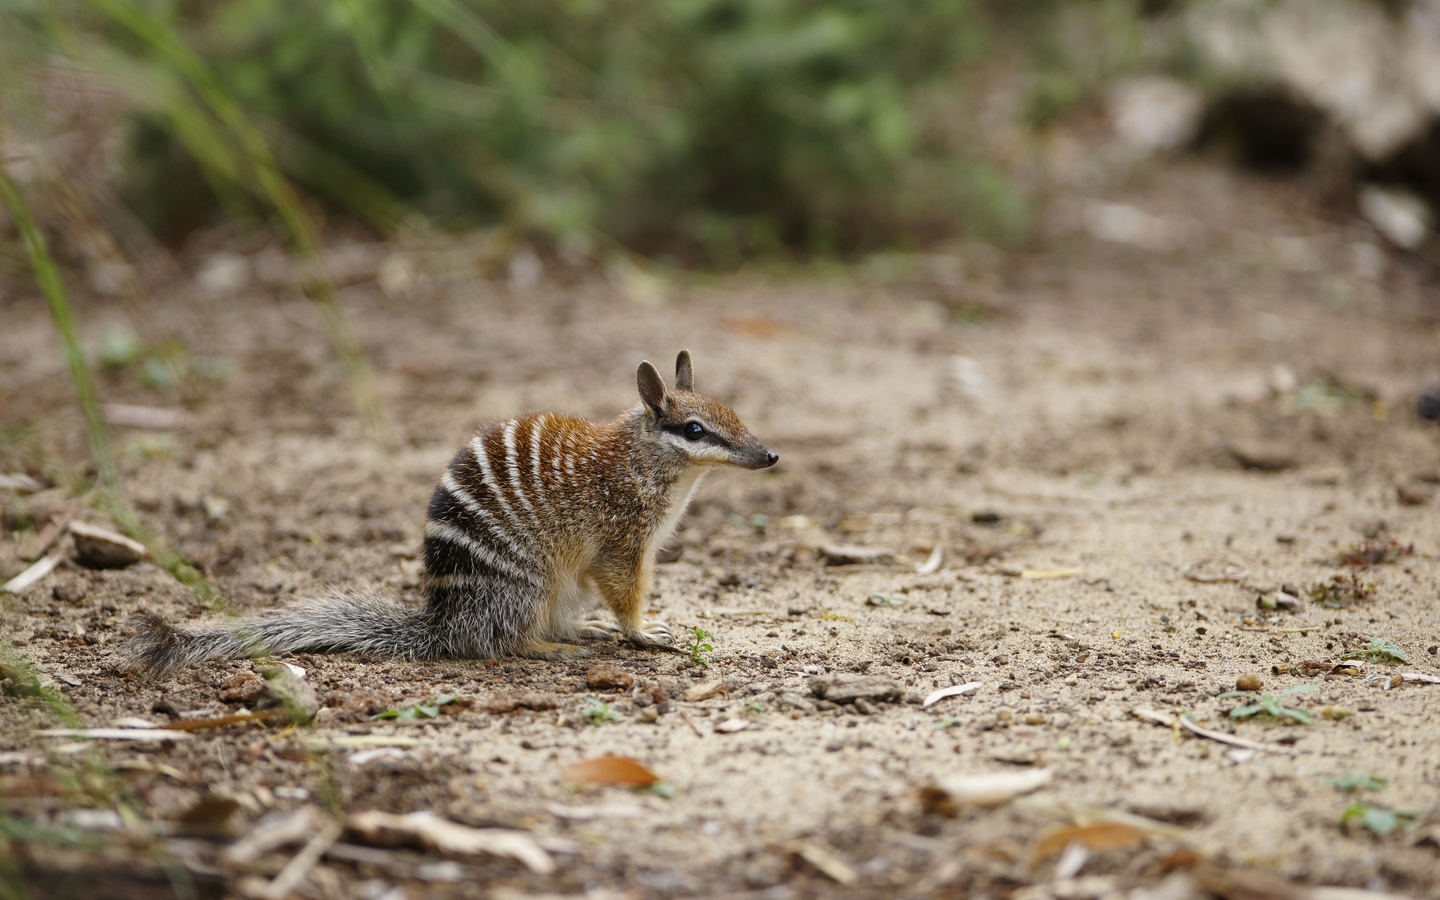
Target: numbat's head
[(692, 427)]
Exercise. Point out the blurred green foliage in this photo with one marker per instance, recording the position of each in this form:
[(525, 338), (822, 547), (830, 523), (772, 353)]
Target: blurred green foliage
[(710, 128)]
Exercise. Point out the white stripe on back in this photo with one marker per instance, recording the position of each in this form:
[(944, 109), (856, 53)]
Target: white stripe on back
[(457, 490), (487, 477), (444, 531), (537, 483), (512, 462)]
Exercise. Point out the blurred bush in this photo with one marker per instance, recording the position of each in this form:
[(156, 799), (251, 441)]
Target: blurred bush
[(707, 128)]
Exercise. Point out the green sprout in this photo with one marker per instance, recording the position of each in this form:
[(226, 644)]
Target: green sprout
[(1355, 782), (1379, 650), (598, 713), (1270, 705), (698, 645), (417, 711), (1379, 820)]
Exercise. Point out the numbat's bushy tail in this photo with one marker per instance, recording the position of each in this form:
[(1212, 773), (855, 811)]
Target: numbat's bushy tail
[(535, 519)]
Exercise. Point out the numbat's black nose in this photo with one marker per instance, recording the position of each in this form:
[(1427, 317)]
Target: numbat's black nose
[(772, 458)]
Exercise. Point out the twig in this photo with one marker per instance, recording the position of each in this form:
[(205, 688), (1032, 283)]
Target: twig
[(693, 727), (55, 530), (38, 570), (299, 866), (198, 724), (1174, 720)]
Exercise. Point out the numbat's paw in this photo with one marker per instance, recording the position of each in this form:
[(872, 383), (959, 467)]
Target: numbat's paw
[(599, 629), (656, 636)]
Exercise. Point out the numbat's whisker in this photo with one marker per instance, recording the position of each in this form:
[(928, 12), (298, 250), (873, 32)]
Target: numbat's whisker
[(534, 517)]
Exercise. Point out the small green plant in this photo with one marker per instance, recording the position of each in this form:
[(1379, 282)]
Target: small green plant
[(597, 713), (1271, 705), (1355, 782), (1342, 590), (1378, 650), (1378, 820), (753, 707), (698, 645), (890, 600), (418, 711)]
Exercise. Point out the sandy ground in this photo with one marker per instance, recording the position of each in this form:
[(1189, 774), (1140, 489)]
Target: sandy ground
[(1116, 448)]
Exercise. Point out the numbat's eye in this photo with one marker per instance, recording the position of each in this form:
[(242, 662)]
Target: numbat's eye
[(694, 431)]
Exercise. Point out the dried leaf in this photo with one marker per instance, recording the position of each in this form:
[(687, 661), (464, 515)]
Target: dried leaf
[(1050, 573), (826, 863), (954, 690), (115, 734), (42, 567), (220, 721), (1246, 884), (620, 771), (1171, 720), (730, 726), (932, 563), (704, 691), (435, 833), (991, 788), (101, 548), (1092, 836)]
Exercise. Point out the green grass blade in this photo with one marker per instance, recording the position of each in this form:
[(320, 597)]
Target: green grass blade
[(232, 127), (50, 284)]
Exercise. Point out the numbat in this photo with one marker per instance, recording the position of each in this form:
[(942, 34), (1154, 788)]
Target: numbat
[(534, 517)]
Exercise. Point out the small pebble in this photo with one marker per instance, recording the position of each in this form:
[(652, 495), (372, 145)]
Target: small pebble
[(1250, 681)]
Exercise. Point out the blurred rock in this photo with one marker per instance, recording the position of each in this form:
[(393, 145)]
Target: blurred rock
[(224, 273), (101, 548), (1399, 215), (1155, 113), (841, 687), (1374, 74)]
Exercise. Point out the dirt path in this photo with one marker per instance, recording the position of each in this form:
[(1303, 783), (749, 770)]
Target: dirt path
[(1117, 451)]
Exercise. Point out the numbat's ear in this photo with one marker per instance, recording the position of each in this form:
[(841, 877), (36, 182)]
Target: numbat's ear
[(652, 388), (684, 372)]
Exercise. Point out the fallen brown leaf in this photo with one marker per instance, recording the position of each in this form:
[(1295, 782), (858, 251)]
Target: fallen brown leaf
[(1092, 836), (704, 691), (621, 771)]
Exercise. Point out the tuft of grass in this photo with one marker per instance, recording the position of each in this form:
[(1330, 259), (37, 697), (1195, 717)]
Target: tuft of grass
[(48, 277), (418, 711), (1378, 820), (1355, 782), (1379, 650), (598, 713), (1271, 705)]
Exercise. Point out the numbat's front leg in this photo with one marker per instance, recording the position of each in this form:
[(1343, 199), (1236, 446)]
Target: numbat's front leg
[(624, 588)]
